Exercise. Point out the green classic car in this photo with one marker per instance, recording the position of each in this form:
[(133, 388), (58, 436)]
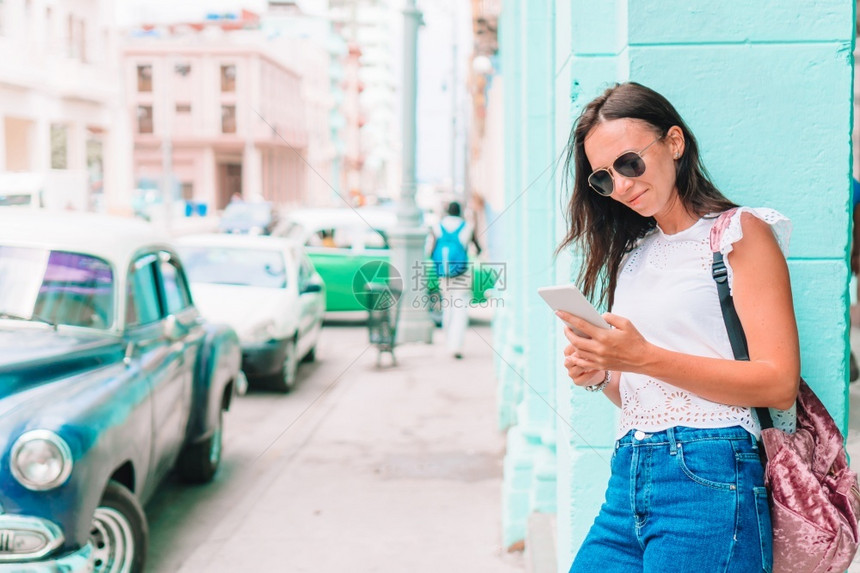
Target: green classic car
[(341, 241)]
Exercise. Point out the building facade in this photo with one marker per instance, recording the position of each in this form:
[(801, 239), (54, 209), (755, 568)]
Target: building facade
[(727, 68), (305, 37), (371, 31), (60, 105), (220, 112)]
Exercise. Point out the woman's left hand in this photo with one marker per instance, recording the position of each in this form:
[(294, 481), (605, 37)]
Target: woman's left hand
[(621, 348)]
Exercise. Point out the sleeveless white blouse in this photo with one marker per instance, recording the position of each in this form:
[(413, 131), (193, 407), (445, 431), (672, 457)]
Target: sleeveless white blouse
[(665, 288)]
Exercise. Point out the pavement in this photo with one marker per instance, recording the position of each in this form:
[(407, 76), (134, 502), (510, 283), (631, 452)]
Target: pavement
[(390, 469)]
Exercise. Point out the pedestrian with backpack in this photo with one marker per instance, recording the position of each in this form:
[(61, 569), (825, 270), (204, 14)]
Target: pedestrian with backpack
[(449, 249)]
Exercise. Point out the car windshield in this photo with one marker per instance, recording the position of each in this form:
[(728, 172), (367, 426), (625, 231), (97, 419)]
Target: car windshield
[(56, 286), (354, 237), (235, 266)]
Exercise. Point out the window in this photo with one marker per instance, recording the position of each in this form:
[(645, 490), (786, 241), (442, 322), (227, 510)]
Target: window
[(255, 267), (144, 119), (59, 287), (183, 108), (306, 270), (59, 146), (142, 298), (176, 293), (144, 78), (228, 78), (228, 119)]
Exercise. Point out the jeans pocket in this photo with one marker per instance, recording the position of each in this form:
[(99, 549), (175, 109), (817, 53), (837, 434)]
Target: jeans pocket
[(765, 531), (710, 463)]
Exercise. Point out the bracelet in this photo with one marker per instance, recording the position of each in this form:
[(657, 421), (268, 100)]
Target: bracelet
[(599, 387)]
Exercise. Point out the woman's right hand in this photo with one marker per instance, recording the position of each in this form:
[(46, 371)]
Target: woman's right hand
[(579, 375)]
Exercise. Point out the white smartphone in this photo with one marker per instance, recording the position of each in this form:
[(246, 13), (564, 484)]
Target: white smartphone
[(569, 299)]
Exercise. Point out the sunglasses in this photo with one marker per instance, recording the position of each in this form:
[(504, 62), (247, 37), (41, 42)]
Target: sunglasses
[(628, 164)]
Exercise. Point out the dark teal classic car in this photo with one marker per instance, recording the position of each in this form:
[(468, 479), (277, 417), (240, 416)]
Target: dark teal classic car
[(109, 379)]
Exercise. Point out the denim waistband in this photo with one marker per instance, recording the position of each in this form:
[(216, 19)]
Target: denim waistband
[(683, 434)]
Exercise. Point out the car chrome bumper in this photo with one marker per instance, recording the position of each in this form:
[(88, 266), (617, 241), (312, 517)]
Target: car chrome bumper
[(263, 359), (80, 561)]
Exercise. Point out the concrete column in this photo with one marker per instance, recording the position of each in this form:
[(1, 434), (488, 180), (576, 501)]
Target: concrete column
[(40, 144), (252, 171), (530, 467), (205, 187), (118, 162), (519, 466)]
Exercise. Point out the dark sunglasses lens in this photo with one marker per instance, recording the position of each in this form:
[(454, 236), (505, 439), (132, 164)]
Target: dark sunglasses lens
[(629, 165), (601, 181)]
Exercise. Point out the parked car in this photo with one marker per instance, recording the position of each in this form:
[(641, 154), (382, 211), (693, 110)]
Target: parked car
[(268, 290), (341, 241), (109, 378), (249, 218)]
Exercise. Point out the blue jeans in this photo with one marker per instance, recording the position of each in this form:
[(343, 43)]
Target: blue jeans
[(682, 500)]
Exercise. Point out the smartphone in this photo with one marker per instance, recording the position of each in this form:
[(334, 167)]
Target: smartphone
[(569, 299)]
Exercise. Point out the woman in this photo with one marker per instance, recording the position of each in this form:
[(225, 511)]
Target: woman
[(686, 490)]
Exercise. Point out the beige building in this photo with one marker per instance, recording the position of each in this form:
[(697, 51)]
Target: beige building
[(63, 131), (225, 117)]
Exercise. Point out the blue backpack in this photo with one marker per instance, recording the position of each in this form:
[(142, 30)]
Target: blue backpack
[(449, 254)]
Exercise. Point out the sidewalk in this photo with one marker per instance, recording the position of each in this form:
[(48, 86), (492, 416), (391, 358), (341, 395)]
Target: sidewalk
[(394, 469)]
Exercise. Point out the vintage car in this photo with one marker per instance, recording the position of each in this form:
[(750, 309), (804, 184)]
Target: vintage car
[(109, 378), (341, 241), (266, 288)]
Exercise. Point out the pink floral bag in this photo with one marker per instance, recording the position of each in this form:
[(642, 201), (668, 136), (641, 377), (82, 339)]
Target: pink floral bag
[(814, 495)]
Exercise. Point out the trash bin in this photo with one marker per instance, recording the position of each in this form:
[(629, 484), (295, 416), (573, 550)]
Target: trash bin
[(381, 301)]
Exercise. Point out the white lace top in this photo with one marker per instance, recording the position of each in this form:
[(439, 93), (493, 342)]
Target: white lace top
[(665, 288)]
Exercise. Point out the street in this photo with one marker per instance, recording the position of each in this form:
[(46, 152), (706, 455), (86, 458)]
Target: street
[(359, 469)]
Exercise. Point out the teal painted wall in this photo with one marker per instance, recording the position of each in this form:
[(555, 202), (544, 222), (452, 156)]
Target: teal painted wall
[(767, 89)]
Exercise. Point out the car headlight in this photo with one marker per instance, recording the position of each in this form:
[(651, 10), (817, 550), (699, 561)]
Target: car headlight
[(41, 460)]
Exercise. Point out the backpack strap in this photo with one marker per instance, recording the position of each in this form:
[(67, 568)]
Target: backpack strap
[(455, 232), (734, 328)]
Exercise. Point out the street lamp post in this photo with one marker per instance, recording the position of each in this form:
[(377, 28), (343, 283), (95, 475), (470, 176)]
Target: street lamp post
[(408, 238)]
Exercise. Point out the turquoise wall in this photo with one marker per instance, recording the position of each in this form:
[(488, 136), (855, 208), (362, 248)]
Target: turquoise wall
[(767, 89)]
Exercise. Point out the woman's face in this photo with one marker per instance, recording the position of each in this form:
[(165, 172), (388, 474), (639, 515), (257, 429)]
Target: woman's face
[(654, 192)]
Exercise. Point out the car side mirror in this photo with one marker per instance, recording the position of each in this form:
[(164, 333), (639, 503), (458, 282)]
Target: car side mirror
[(312, 287)]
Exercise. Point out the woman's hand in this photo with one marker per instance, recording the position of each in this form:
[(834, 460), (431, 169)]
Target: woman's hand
[(580, 376), (621, 348)]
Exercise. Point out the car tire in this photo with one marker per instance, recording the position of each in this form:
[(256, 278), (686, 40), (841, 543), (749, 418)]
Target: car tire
[(311, 355), (199, 462), (285, 380), (119, 532)]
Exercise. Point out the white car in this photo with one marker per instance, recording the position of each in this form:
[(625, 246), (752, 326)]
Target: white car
[(267, 289)]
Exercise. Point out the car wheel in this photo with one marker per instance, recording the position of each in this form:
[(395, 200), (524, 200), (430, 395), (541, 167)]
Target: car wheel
[(286, 379), (311, 355), (199, 462), (119, 532)]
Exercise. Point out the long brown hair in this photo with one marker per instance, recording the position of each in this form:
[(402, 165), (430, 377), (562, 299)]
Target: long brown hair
[(601, 226)]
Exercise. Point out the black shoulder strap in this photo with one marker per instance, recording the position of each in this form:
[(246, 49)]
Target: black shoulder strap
[(733, 325)]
